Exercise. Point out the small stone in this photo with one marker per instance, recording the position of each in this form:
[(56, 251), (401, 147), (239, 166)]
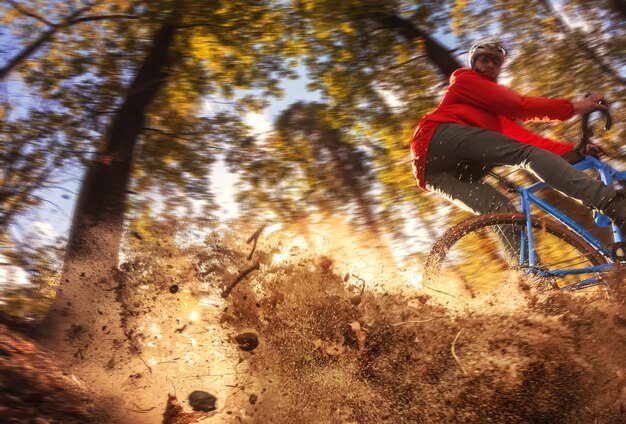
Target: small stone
[(423, 298), (247, 341), (253, 398), (202, 401)]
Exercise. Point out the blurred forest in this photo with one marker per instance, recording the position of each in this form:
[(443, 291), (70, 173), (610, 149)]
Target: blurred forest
[(136, 102), (116, 91)]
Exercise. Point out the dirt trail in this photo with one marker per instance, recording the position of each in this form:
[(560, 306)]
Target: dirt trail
[(397, 354)]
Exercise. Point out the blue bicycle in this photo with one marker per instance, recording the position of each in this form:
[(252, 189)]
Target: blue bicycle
[(552, 246)]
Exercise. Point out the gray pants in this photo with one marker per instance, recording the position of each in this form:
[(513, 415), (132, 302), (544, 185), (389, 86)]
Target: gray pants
[(455, 164)]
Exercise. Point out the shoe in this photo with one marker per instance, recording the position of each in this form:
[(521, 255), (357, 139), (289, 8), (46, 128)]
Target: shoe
[(616, 210)]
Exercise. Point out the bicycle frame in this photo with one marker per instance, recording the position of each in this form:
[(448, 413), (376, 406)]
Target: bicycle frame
[(609, 176)]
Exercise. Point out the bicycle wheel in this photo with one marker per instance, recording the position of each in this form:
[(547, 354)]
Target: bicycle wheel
[(470, 253)]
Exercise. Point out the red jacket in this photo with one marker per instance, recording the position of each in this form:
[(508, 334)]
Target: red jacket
[(473, 99)]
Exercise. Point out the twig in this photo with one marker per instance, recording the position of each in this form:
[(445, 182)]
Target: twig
[(456, 358), (240, 277), (439, 291), (145, 363), (208, 375), (140, 410), (357, 298), (167, 378), (412, 322), (255, 237), (362, 283), (238, 387)]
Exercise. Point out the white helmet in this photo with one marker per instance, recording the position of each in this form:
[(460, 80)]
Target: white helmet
[(489, 45)]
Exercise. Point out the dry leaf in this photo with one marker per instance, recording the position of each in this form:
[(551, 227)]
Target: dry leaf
[(336, 349)]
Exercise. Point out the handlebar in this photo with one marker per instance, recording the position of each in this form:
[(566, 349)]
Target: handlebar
[(587, 132)]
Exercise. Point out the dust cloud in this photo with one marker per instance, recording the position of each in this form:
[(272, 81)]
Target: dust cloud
[(332, 328)]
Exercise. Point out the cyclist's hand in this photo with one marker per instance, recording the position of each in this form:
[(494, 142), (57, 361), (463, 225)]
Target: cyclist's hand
[(589, 104), (594, 150), (576, 155)]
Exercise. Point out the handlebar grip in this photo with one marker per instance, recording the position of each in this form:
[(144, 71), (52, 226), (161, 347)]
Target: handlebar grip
[(586, 131), (608, 120)]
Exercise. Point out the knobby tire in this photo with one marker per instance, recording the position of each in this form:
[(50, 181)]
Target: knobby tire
[(439, 257)]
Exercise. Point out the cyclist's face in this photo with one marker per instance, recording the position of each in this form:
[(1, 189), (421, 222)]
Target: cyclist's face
[(489, 65)]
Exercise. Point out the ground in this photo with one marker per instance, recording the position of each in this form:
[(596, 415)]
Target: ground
[(345, 335)]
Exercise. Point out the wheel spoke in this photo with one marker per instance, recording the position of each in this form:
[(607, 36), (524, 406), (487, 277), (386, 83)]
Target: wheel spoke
[(478, 252)]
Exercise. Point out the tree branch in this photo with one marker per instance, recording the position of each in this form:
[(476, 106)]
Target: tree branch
[(240, 277), (100, 18), (437, 53), (26, 52), (29, 13), (47, 35), (180, 135)]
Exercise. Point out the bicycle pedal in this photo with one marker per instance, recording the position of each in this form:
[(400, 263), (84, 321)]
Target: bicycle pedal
[(619, 251)]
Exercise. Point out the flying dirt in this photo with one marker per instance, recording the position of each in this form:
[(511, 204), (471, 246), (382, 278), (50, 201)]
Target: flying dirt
[(314, 323)]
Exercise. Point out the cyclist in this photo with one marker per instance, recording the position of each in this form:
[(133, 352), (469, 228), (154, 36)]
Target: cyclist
[(474, 127)]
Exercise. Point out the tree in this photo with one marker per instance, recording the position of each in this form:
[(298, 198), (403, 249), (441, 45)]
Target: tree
[(196, 48), (309, 164), (55, 127), (380, 68)]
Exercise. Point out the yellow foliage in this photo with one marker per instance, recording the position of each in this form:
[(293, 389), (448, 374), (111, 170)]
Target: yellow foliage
[(346, 27), (403, 56), (550, 25), (458, 12), (324, 35), (419, 44), (9, 16)]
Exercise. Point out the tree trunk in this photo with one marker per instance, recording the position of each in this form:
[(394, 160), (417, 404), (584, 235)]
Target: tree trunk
[(351, 181), (86, 306), (620, 7), (435, 51)]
